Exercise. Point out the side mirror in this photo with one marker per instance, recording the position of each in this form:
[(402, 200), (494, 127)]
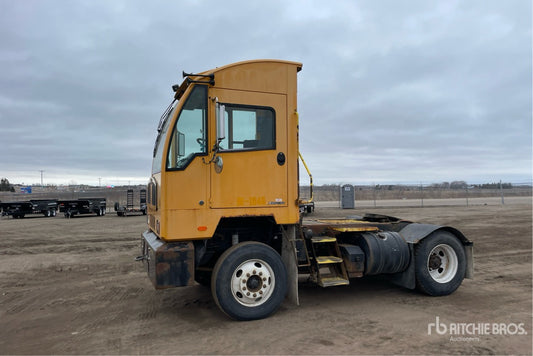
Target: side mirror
[(221, 122), (181, 144)]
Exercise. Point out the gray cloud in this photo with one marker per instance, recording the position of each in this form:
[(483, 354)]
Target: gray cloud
[(390, 91)]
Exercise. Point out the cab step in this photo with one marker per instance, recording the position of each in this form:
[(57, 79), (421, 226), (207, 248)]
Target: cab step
[(327, 266), (333, 281), (321, 239), (321, 260)]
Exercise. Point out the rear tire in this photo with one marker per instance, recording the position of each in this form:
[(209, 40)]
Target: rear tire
[(249, 281), (440, 264)]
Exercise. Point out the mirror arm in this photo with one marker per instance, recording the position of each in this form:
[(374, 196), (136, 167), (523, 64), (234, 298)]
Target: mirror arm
[(221, 134), (215, 150)]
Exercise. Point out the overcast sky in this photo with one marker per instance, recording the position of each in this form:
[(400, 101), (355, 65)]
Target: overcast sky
[(390, 91)]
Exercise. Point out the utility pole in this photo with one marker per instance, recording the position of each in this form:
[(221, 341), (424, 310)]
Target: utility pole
[(41, 177)]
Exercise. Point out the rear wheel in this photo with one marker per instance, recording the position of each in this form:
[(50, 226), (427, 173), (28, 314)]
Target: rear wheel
[(249, 281), (440, 264)]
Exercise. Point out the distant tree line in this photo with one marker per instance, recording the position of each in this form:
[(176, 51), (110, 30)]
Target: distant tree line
[(494, 186), (5, 186), (458, 184)]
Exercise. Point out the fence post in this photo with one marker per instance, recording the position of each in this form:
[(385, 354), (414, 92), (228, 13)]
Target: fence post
[(501, 192)]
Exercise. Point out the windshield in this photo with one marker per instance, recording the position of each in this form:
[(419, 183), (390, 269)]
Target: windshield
[(189, 135), (162, 129)]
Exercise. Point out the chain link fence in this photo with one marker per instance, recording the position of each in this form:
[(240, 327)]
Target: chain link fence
[(327, 195), (424, 194)]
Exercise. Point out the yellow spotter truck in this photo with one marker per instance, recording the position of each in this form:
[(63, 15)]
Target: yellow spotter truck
[(224, 208)]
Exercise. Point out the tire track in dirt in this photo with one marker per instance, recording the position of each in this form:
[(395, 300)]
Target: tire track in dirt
[(72, 287)]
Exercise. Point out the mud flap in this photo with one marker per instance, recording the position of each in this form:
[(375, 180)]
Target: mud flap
[(407, 278), (469, 251), (289, 258)]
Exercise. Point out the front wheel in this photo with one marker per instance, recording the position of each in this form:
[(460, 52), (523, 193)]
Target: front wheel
[(440, 264), (249, 281)]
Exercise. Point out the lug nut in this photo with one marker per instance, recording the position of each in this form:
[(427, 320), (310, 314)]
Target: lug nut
[(247, 274), (254, 272), (248, 293), (264, 285), (255, 295)]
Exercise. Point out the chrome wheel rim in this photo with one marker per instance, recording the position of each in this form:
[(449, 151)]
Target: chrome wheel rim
[(442, 263), (252, 283)]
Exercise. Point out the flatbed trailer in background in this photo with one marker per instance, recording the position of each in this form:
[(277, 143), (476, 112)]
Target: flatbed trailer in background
[(129, 209), (19, 209), (83, 206)]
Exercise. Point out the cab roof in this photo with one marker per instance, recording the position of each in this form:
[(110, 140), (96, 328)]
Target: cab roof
[(266, 75)]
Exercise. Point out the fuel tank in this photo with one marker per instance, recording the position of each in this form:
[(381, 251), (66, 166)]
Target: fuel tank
[(385, 252)]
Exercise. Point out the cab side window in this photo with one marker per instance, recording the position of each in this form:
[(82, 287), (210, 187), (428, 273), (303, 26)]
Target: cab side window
[(189, 136), (249, 128)]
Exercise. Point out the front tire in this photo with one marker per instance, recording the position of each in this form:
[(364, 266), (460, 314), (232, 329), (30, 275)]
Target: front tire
[(440, 264), (249, 281)]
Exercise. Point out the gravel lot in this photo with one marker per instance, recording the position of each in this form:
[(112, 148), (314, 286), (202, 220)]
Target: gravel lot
[(70, 286)]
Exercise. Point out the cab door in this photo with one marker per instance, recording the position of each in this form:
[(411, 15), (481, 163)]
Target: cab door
[(186, 174), (253, 152)]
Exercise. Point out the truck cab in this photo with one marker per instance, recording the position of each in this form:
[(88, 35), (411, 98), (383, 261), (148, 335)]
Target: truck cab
[(224, 210), (227, 147)]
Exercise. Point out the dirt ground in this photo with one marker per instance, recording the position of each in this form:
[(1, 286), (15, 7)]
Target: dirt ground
[(71, 286)]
